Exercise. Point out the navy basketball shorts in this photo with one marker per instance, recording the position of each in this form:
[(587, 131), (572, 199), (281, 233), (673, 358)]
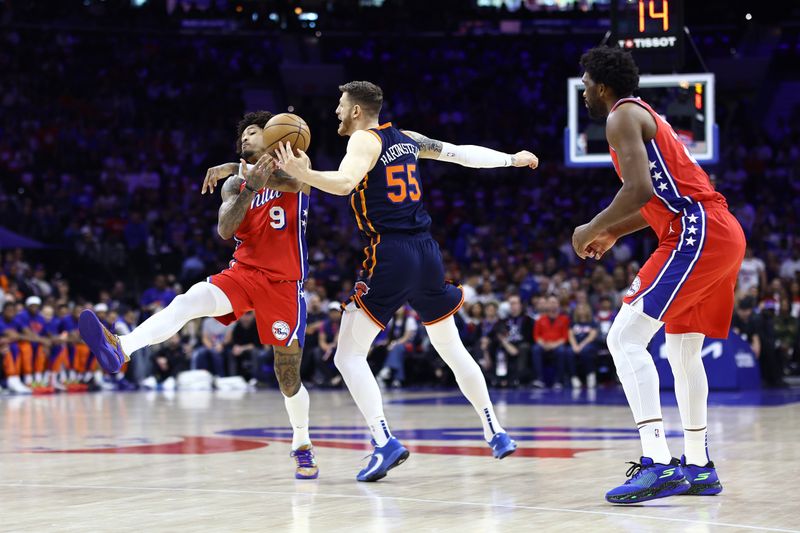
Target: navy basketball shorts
[(402, 268)]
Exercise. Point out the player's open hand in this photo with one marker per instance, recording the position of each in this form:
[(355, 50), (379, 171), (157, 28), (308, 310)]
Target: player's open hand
[(294, 165), (524, 159), (256, 176), (216, 174)]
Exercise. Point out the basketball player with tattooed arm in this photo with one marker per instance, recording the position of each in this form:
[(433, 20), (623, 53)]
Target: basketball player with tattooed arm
[(688, 283), (266, 211), (402, 263)]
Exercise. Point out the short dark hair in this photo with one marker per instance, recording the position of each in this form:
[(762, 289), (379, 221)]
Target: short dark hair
[(258, 118), (366, 94), (613, 67)]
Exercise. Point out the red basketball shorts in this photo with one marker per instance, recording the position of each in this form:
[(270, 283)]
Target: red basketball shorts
[(689, 281), (280, 306)]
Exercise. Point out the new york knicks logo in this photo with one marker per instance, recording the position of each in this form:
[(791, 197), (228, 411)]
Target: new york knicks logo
[(361, 288), (635, 286), (280, 330)]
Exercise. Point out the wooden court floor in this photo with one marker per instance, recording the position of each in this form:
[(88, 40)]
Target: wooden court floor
[(197, 461)]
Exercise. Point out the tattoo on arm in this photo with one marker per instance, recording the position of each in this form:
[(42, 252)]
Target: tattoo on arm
[(281, 181), (287, 368), (234, 207), (428, 148)]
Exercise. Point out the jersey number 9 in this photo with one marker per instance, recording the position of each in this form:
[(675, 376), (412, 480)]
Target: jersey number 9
[(278, 217)]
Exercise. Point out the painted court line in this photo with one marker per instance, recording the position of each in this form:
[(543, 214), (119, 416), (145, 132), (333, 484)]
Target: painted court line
[(399, 499)]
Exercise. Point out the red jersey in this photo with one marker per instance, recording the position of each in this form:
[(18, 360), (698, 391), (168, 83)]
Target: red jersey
[(678, 181), (272, 235)]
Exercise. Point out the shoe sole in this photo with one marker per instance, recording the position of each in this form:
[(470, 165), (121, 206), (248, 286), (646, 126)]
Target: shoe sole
[(397, 462), (300, 476), (671, 488), (704, 489), (91, 331), (505, 453)]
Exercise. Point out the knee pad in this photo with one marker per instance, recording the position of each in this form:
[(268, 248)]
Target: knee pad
[(356, 334), (628, 337)]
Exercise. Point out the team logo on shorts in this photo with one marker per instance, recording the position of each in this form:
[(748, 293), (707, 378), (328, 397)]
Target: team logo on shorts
[(637, 283), (361, 288), (280, 330)]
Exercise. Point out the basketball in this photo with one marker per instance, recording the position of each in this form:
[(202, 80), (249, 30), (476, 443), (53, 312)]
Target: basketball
[(286, 127)]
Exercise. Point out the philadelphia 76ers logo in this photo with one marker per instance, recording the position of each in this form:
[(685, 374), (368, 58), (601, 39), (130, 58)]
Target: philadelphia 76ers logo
[(280, 330)]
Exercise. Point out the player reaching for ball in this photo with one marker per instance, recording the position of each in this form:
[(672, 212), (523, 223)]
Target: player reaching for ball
[(402, 263), (688, 283), (265, 211)]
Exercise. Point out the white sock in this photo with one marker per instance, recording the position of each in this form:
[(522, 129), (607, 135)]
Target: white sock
[(654, 443), (627, 341), (202, 299), (444, 338), (297, 407), (356, 334), (691, 391), (696, 447)]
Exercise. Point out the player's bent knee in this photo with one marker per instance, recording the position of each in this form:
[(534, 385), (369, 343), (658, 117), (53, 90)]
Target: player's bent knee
[(627, 349), (290, 391)]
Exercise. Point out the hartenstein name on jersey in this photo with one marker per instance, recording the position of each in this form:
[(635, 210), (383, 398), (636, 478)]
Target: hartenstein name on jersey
[(263, 197), (397, 150)]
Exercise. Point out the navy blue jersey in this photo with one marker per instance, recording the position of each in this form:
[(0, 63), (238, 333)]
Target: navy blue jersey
[(389, 198)]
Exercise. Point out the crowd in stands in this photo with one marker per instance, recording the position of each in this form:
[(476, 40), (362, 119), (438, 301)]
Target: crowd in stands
[(105, 138)]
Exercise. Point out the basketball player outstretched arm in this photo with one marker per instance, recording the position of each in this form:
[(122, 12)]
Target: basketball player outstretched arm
[(625, 130), (235, 202), (468, 155), (363, 150), (278, 180)]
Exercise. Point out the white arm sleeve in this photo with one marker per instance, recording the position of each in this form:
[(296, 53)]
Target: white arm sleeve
[(472, 156)]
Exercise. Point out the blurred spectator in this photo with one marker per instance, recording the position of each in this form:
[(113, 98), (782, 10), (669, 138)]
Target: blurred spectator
[(158, 296), (328, 338), (515, 338), (791, 265), (753, 273), (210, 355), (400, 332), (550, 336), (314, 322), (787, 336), (583, 333), (246, 355), (168, 360)]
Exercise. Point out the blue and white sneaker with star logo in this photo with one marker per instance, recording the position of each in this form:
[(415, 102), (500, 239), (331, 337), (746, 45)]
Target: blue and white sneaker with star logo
[(383, 459), (648, 481)]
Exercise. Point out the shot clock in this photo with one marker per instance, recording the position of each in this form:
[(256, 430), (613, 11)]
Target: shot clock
[(652, 30)]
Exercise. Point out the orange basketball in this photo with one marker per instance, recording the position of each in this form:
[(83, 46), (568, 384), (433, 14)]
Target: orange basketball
[(286, 127)]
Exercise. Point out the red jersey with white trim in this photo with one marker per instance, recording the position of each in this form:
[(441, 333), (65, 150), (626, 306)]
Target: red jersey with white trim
[(678, 181), (272, 235)]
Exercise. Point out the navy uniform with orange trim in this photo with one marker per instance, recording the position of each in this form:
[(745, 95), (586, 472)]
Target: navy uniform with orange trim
[(402, 261)]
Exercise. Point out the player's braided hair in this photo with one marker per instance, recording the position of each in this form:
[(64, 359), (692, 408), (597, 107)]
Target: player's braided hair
[(613, 67), (366, 94), (258, 118)]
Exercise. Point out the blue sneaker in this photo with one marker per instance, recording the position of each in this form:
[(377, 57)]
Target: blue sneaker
[(103, 344), (502, 445), (648, 481), (704, 479), (383, 459)]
